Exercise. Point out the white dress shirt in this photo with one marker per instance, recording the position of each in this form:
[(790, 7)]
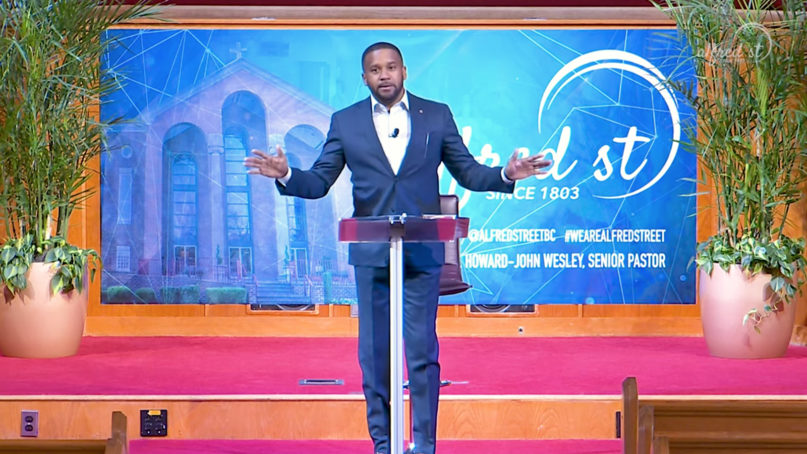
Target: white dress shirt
[(393, 127)]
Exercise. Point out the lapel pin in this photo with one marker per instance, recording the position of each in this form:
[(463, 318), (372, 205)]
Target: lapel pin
[(420, 111)]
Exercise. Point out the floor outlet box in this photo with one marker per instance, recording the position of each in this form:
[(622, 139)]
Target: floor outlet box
[(29, 423), (153, 423)]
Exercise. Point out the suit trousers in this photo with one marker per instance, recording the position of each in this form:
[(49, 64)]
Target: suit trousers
[(421, 294)]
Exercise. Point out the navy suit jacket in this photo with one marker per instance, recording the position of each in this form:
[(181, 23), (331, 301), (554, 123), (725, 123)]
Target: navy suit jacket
[(377, 191)]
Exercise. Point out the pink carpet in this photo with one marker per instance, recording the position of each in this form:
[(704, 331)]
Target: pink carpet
[(358, 447), (217, 365)]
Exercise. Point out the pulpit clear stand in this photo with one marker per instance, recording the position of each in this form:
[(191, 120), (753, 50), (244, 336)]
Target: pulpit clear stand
[(396, 230)]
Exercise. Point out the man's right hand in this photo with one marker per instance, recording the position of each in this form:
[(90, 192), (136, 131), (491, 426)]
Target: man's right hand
[(261, 163)]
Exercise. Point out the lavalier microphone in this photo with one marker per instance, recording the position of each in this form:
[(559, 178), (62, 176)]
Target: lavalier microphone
[(394, 133)]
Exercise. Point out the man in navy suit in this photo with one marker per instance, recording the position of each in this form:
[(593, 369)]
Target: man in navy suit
[(393, 143)]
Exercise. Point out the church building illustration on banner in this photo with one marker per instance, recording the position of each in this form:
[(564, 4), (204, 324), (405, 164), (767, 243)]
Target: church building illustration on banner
[(203, 230)]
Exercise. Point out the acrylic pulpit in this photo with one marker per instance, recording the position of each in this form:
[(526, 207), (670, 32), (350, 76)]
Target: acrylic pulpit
[(396, 230)]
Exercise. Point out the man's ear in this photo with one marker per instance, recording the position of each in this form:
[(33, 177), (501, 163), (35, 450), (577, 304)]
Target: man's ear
[(404, 73), (364, 79)]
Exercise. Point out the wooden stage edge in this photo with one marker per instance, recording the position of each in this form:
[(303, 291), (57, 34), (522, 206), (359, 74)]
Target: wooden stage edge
[(326, 417), (329, 417)]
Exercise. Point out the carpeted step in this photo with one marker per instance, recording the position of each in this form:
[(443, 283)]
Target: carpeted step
[(161, 446)]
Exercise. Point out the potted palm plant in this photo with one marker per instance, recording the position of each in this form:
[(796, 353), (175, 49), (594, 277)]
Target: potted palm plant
[(51, 83), (750, 97)]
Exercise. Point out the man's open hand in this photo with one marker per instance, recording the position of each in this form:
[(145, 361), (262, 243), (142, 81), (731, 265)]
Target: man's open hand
[(520, 168), (261, 163)]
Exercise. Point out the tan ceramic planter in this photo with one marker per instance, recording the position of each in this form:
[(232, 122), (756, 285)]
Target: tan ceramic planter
[(725, 298), (38, 324)]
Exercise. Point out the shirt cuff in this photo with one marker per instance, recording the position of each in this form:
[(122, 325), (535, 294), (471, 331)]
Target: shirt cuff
[(505, 179), (285, 178)]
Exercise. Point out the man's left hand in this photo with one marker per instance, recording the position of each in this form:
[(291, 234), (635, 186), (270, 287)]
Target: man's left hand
[(520, 168)]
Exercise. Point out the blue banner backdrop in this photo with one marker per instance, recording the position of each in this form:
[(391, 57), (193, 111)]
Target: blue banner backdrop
[(610, 224)]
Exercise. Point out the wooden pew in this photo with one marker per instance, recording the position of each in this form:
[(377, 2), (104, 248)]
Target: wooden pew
[(117, 443), (730, 443), (711, 425)]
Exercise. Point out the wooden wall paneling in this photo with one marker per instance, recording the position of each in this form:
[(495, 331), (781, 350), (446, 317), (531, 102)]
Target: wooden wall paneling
[(408, 17), (640, 310), (310, 417)]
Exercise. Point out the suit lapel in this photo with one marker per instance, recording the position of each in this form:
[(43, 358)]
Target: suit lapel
[(417, 134)]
